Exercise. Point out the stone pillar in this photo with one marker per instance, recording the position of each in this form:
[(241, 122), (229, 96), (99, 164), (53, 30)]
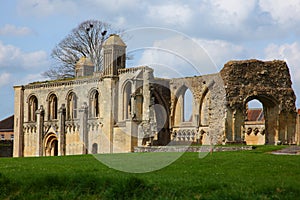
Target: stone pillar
[(298, 129), (18, 121), (146, 95), (62, 131), (83, 129), (40, 113), (237, 124), (272, 121)]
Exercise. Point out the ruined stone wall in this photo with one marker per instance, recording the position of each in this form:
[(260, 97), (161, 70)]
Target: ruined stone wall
[(250, 78), (270, 83), (200, 86)]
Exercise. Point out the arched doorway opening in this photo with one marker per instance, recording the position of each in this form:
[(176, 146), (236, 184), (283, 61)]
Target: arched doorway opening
[(261, 117), (254, 123), (51, 145), (162, 114), (94, 148)]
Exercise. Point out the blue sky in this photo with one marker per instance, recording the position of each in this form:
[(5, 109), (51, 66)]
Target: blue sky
[(224, 29)]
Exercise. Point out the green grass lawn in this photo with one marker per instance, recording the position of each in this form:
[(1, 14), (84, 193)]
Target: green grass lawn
[(221, 175)]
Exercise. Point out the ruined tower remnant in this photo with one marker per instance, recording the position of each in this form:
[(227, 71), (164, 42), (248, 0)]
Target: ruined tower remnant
[(268, 82)]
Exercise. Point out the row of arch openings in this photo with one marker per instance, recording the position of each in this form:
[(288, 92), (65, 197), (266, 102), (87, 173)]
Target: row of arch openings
[(52, 107), (184, 104)]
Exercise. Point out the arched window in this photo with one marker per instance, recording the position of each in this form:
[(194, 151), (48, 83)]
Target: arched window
[(32, 107), (52, 107), (205, 109), (184, 106), (187, 106), (127, 101), (71, 106), (94, 104)]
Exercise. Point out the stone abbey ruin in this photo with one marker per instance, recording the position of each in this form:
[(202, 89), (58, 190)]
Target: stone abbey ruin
[(121, 108)]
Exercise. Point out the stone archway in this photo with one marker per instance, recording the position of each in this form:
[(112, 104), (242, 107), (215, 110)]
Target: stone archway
[(162, 114), (270, 83), (51, 145), (268, 129)]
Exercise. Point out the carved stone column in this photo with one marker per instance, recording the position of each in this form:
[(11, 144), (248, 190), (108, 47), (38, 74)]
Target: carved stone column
[(62, 129), (83, 130), (40, 130)]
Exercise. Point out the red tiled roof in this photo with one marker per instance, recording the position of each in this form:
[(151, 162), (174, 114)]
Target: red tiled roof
[(298, 111), (255, 114)]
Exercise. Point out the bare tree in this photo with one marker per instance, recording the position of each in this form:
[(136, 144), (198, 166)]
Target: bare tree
[(84, 40)]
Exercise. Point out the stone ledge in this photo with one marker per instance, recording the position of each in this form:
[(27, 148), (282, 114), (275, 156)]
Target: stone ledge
[(191, 148)]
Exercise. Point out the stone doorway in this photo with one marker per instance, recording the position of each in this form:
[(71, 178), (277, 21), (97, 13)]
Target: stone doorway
[(264, 131), (51, 145), (254, 126)]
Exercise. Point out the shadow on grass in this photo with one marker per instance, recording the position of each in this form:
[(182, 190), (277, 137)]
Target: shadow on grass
[(54, 186)]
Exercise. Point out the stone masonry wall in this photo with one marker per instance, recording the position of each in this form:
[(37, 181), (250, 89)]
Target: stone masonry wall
[(247, 78)]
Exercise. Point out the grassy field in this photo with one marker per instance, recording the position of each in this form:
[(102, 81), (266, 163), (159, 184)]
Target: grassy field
[(222, 175)]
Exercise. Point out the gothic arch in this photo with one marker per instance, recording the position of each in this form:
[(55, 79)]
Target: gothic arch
[(126, 93), (204, 108), (179, 106)]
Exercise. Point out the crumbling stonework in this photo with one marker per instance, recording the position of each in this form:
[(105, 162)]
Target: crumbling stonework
[(270, 83)]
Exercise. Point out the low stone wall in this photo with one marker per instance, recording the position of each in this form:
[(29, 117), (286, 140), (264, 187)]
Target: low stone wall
[(192, 148), (6, 148)]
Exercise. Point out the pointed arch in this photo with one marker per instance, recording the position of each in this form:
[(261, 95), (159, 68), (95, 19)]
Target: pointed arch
[(188, 105), (127, 90), (183, 109), (205, 108)]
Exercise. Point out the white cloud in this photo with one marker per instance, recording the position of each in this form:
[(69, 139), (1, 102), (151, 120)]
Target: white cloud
[(12, 30), (5, 79), (290, 53), (174, 14), (12, 58), (34, 60), (284, 12), (8, 54), (222, 51), (178, 56), (114, 5), (231, 12), (29, 78)]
